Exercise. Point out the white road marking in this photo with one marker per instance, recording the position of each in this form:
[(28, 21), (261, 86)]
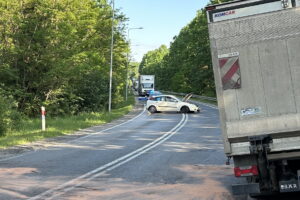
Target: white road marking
[(70, 185), (75, 140), (109, 128)]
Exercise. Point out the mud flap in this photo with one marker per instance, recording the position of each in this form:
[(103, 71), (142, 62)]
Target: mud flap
[(250, 188)]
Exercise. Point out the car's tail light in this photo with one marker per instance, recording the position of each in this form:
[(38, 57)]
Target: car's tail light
[(246, 171)]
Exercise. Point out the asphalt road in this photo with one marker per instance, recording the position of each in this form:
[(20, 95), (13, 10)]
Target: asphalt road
[(142, 156)]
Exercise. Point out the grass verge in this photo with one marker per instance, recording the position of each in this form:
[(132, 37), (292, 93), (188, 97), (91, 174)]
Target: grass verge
[(30, 130)]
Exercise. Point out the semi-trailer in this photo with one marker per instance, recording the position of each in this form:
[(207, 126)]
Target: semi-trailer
[(255, 47)]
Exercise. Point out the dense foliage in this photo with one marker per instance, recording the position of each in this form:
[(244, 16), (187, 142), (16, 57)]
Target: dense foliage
[(186, 66), (57, 53), (152, 64), (9, 116)]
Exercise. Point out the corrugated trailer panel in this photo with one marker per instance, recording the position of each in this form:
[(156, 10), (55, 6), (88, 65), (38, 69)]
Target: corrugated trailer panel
[(293, 45), (251, 93), (271, 86), (267, 46), (276, 75)]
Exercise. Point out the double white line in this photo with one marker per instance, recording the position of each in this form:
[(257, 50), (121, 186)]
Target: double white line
[(70, 185)]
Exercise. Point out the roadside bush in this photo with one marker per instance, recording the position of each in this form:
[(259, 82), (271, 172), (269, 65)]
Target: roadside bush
[(3, 116), (62, 105), (2, 122), (10, 118)]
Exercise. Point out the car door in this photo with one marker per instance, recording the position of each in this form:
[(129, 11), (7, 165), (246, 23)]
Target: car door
[(160, 103), (171, 104)]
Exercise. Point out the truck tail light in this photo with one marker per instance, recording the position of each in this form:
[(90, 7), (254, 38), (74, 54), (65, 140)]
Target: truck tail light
[(246, 171)]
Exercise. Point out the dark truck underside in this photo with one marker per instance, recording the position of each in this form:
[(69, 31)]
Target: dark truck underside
[(265, 172)]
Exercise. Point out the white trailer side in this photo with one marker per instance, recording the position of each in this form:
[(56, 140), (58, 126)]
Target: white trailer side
[(255, 47), (265, 39)]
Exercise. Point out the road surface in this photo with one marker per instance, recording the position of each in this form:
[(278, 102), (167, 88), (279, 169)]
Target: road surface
[(142, 156)]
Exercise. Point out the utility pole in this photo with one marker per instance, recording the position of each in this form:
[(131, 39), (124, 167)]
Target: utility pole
[(111, 54)]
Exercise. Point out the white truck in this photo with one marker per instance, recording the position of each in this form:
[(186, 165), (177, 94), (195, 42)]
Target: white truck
[(146, 84), (255, 46)]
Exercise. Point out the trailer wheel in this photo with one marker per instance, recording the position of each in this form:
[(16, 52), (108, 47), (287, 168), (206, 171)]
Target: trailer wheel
[(184, 109), (152, 109)]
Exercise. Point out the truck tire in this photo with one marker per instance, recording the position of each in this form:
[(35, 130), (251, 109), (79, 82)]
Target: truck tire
[(152, 109), (184, 109)]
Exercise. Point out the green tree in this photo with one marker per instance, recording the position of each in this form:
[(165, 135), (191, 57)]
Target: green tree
[(151, 64), (55, 51), (187, 66)]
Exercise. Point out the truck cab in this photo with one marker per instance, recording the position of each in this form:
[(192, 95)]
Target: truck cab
[(146, 84)]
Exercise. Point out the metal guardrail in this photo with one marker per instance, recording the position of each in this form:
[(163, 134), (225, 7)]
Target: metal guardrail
[(196, 96)]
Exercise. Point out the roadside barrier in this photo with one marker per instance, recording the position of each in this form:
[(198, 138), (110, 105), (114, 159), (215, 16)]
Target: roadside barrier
[(196, 96)]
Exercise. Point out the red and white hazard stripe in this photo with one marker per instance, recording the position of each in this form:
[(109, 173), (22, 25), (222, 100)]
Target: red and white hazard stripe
[(230, 72)]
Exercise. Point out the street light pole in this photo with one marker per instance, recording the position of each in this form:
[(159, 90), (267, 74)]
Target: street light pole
[(126, 96), (111, 55)]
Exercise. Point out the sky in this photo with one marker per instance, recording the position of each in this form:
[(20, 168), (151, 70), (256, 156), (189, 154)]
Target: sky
[(161, 21)]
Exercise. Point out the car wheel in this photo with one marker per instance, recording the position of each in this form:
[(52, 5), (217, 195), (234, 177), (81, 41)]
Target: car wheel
[(185, 109), (152, 109)]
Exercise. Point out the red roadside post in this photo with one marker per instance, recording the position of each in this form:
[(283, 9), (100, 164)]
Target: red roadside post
[(43, 112)]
